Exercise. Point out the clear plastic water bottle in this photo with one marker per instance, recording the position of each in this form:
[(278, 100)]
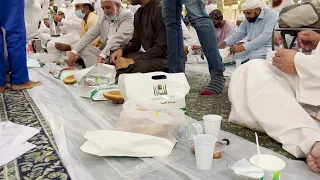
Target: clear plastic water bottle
[(192, 129), (61, 59), (270, 54)]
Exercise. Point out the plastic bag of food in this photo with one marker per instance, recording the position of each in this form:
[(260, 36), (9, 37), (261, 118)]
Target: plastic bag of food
[(161, 123), (95, 78)]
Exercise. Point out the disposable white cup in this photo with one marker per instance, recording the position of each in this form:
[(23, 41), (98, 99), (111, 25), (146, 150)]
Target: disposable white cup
[(271, 165), (238, 62), (51, 67), (204, 145), (212, 124)]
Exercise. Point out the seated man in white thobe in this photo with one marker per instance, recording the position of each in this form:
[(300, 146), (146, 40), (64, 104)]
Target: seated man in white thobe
[(281, 98), (43, 33), (258, 28), (115, 27), (69, 25)]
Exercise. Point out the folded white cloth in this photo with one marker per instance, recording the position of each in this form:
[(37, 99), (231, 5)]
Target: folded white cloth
[(13, 141), (119, 143)]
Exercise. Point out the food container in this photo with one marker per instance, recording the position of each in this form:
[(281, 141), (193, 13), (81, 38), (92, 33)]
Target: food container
[(220, 147)]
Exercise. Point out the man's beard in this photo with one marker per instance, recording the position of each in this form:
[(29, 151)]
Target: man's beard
[(253, 19)]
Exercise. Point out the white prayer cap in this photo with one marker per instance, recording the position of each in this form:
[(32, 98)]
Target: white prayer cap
[(82, 2), (64, 10), (252, 4), (116, 1), (211, 7), (241, 17), (45, 17)]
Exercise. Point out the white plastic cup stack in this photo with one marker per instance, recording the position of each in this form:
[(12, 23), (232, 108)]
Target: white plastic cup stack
[(212, 124), (204, 145), (272, 166)]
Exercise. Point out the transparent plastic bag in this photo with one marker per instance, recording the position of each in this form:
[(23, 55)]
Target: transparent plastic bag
[(95, 78), (162, 123)]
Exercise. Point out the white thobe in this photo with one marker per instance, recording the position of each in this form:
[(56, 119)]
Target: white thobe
[(32, 9), (44, 7), (97, 8), (265, 99), (113, 34), (134, 8), (43, 33), (70, 30), (187, 40)]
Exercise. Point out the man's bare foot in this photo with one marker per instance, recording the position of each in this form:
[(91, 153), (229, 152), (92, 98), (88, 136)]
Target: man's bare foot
[(28, 85), (313, 158), (2, 88)]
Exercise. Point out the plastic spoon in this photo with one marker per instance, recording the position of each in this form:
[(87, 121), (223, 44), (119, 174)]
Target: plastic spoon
[(258, 148)]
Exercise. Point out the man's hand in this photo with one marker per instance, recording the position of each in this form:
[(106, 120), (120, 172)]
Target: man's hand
[(240, 43), (115, 56), (222, 45), (196, 47), (71, 60), (100, 59), (284, 60), (236, 49), (57, 18), (123, 63), (308, 39), (63, 47)]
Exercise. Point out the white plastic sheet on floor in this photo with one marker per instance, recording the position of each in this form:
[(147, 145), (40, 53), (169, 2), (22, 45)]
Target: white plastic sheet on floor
[(70, 116)]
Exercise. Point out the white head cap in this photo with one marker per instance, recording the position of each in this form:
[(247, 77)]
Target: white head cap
[(82, 2), (116, 1), (211, 7), (45, 17), (241, 17), (64, 10), (252, 4)]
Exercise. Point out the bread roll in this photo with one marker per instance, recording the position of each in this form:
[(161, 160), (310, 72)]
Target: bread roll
[(69, 80), (113, 95)]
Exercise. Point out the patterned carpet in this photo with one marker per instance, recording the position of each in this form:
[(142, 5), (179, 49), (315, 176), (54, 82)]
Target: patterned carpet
[(42, 162), (199, 105)]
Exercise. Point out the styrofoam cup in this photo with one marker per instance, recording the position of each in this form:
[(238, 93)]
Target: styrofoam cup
[(212, 124), (238, 62), (271, 165), (204, 145)]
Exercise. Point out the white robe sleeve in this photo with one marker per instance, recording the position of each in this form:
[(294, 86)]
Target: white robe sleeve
[(122, 36), (308, 85), (90, 36), (38, 32)]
